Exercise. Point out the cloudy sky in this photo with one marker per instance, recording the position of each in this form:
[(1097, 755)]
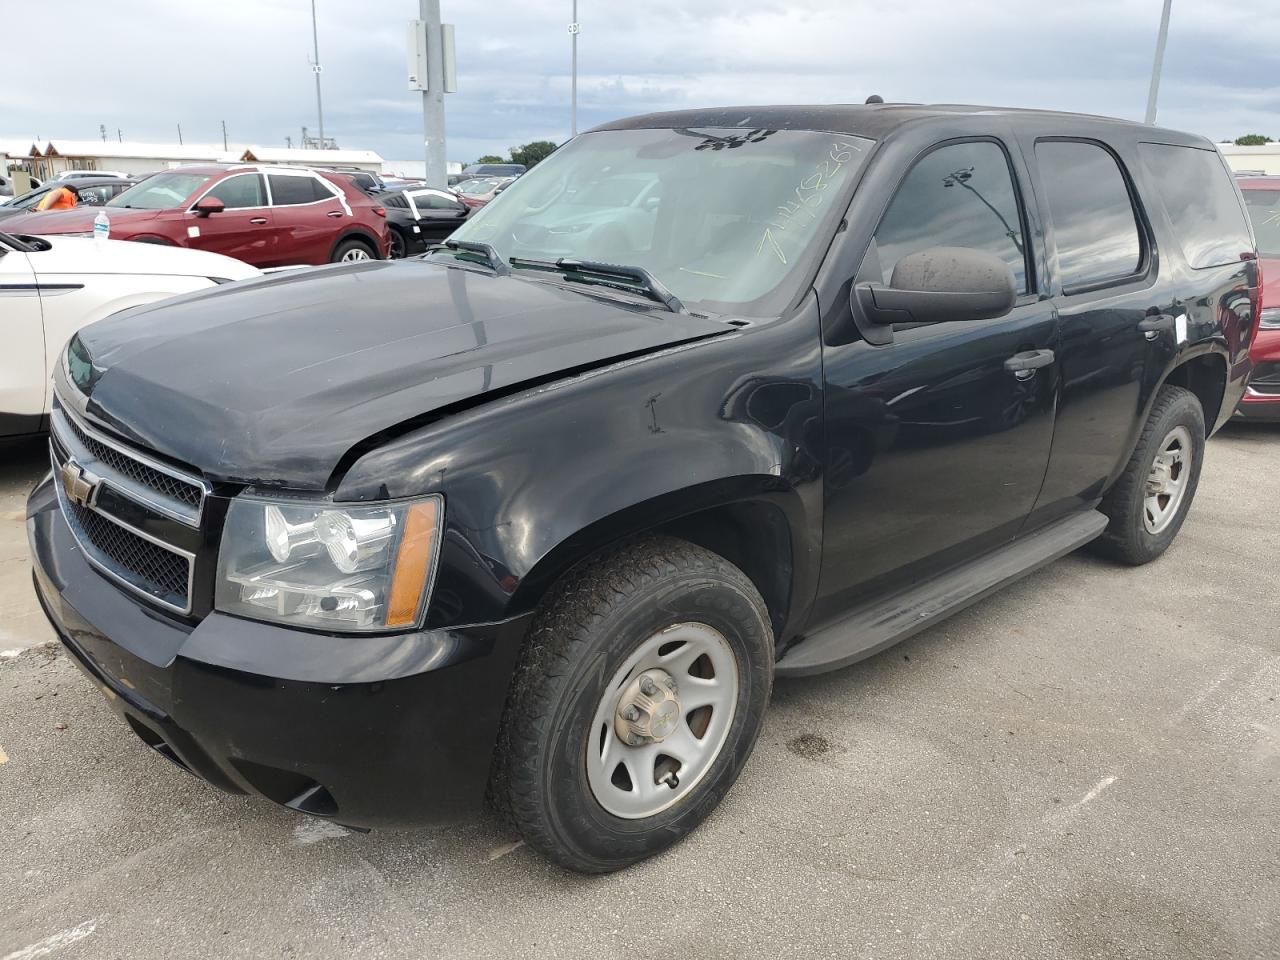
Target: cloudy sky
[(152, 64)]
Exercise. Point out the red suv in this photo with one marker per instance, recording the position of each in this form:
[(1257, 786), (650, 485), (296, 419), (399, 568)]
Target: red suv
[(1262, 398), (264, 215)]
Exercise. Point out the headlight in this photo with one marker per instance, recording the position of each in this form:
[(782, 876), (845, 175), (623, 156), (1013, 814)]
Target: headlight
[(1270, 318), (329, 565)]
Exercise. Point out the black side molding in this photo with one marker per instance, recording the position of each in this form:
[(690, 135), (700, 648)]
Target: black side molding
[(879, 625)]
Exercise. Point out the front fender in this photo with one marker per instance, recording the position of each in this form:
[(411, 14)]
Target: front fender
[(557, 471)]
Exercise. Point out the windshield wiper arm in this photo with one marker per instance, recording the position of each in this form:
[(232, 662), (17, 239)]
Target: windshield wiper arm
[(654, 288), (486, 250)]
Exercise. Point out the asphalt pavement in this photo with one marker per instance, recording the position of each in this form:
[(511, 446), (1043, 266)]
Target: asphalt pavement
[(1085, 765)]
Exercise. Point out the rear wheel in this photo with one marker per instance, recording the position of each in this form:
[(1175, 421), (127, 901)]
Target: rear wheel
[(398, 245), (1149, 502), (349, 251), (638, 700)]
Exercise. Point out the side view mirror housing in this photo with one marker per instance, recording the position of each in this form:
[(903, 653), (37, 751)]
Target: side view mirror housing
[(938, 285), (209, 205)]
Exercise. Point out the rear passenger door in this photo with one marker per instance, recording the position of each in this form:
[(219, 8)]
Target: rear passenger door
[(936, 445), (1106, 287), (308, 217), (243, 228), (438, 214)]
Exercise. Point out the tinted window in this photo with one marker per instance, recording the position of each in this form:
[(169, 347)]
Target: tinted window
[(244, 190), (287, 190), (1094, 223), (956, 196), (394, 200), (1264, 211), (1196, 191), (95, 196)]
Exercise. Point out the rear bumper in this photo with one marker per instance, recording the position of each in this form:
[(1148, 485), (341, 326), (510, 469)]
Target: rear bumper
[(391, 731)]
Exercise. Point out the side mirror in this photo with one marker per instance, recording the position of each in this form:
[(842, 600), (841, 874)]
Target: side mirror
[(208, 205), (941, 284)]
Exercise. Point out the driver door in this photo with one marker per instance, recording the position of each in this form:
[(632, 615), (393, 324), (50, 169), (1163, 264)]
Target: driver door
[(936, 445), (22, 366), (243, 229)]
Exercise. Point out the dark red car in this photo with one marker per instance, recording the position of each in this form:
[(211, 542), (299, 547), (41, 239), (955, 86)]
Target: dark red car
[(1262, 398), (264, 215)]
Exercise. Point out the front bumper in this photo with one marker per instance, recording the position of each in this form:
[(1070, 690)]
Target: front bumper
[(1261, 399), (377, 731)]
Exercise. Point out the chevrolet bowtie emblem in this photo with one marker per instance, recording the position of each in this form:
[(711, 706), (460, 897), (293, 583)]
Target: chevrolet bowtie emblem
[(78, 483)]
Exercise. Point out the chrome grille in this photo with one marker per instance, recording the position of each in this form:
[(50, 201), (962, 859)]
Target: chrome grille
[(147, 493), (166, 484)]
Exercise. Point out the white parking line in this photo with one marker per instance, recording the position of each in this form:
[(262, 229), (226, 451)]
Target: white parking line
[(63, 938)]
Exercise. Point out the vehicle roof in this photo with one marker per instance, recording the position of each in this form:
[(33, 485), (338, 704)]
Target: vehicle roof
[(871, 120)]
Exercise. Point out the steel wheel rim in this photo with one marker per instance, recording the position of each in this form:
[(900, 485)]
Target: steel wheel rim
[(703, 665), (1167, 480), (355, 253)]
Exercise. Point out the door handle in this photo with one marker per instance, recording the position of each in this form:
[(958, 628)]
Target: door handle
[(1151, 326), (1025, 364), (334, 213), (259, 220)]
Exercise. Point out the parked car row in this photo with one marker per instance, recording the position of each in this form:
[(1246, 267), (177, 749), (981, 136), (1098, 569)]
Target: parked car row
[(66, 194), (1262, 398)]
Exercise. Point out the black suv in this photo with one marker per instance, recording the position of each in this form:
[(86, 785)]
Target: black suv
[(709, 397)]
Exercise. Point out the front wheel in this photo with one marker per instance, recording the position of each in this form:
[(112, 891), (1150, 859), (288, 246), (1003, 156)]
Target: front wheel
[(1149, 502), (638, 700)]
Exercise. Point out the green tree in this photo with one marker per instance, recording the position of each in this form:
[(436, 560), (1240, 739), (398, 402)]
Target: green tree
[(490, 158), (531, 153), (1252, 140)]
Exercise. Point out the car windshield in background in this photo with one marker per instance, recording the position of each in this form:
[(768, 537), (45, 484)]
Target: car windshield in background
[(725, 217), (160, 192), (1264, 211), (475, 187)]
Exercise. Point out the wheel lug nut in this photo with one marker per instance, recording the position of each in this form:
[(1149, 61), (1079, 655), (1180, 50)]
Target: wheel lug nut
[(648, 687), (631, 713), (635, 739)]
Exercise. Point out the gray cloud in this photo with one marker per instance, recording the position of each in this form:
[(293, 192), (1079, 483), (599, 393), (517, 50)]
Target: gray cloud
[(154, 63)]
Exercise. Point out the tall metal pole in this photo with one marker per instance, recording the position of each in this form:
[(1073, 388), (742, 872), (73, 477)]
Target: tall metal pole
[(573, 110), (315, 67), (1159, 63), (437, 169)]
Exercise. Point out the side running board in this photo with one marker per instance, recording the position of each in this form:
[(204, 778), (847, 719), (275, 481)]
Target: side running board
[(871, 628)]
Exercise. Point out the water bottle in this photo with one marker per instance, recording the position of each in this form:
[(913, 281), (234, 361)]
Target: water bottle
[(101, 226)]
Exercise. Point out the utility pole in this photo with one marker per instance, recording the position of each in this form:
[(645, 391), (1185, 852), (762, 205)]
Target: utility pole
[(1159, 63), (316, 68), (574, 29), (119, 135), (102, 131), (179, 134), (224, 136), (437, 167)]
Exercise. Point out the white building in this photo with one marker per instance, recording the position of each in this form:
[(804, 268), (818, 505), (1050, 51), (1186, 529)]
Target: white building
[(1263, 159), (50, 158)]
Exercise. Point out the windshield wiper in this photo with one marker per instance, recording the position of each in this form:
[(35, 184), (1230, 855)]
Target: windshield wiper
[(485, 250), (593, 271)]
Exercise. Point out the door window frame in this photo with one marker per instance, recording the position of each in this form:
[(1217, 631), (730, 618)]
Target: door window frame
[(271, 201), (213, 186), (1031, 294), (1146, 236)]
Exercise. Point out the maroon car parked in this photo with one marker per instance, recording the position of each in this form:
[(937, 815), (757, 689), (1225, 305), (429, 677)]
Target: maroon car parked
[(264, 215)]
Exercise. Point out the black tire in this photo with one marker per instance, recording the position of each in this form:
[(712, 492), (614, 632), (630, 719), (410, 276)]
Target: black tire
[(399, 245), (348, 246), (584, 633), (1127, 538)]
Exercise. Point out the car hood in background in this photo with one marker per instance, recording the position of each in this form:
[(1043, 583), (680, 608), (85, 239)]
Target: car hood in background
[(272, 381), (85, 255), (75, 220)]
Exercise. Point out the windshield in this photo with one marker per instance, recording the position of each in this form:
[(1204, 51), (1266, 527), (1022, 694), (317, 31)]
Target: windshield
[(722, 216), (1264, 211), (474, 187), (160, 192)]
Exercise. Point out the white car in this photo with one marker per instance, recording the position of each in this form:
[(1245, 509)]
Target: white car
[(50, 287)]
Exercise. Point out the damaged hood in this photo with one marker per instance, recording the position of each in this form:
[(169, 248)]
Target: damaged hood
[(271, 381)]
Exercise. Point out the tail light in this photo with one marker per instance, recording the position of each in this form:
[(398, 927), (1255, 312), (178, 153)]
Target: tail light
[(380, 211)]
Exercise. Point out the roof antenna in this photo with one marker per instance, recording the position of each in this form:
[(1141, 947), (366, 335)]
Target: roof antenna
[(875, 98)]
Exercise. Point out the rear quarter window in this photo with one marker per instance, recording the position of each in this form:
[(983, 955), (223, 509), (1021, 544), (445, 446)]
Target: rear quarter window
[(1196, 190)]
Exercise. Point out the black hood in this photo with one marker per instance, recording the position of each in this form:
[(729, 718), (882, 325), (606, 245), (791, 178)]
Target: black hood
[(271, 381)]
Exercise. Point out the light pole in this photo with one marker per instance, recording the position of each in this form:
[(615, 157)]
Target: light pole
[(574, 29), (315, 68), (1158, 64)]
